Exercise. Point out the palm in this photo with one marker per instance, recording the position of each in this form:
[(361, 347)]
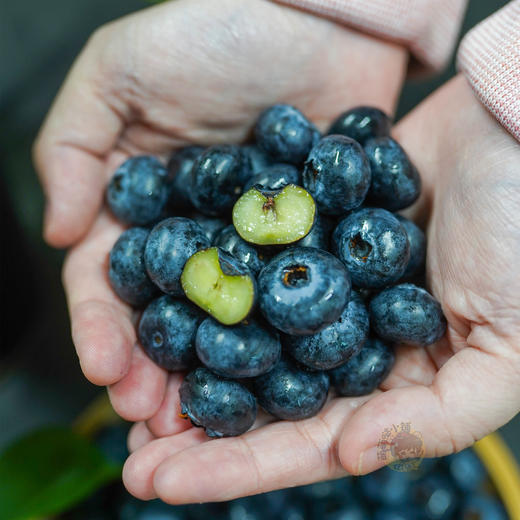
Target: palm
[(453, 392)]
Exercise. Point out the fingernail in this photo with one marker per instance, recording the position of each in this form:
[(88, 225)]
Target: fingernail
[(368, 461)]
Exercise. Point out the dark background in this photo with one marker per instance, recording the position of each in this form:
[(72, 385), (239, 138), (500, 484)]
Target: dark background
[(40, 378)]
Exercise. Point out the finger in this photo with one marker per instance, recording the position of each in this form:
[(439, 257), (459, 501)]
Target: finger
[(139, 394), (138, 436), (473, 394), (412, 366), (274, 456), (429, 156), (140, 466), (80, 130), (102, 329), (167, 420)]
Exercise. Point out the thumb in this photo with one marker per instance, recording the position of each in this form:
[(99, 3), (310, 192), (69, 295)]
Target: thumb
[(474, 393), (71, 149)]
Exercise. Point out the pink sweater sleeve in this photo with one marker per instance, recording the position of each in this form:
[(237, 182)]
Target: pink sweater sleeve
[(427, 27), (489, 57)]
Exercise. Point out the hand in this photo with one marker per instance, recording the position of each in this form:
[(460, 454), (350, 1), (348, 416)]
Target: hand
[(453, 392), (189, 71)]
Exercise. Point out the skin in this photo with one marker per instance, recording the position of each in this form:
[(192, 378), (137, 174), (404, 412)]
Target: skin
[(453, 392)]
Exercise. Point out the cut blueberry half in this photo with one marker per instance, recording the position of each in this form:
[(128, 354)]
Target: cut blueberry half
[(270, 217), (220, 284)]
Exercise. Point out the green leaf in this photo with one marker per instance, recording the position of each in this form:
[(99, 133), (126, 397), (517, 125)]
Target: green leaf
[(48, 471)]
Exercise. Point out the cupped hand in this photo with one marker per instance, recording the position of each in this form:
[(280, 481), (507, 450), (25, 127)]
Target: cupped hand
[(453, 392), (184, 72)]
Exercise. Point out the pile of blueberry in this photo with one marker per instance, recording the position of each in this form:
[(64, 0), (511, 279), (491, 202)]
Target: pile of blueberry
[(273, 270)]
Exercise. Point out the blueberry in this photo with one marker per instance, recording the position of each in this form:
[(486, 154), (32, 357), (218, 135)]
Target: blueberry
[(258, 159), (466, 470), (337, 175), (211, 226), (319, 235), (417, 241), (284, 133), (374, 247), (169, 245), (274, 217), (403, 512), (364, 371), (138, 190), (436, 496), (335, 344), (127, 272), (361, 124), (386, 487), (216, 178), (245, 350), (167, 332), (179, 176), (158, 510), (290, 393), (220, 284), (348, 512), (222, 407), (229, 240), (302, 290), (246, 508), (274, 177), (482, 507), (407, 314), (396, 184)]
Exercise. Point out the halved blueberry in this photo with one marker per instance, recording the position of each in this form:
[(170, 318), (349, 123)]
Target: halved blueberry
[(267, 217), (220, 284)]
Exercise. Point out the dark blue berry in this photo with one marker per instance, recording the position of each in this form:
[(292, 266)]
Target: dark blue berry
[(259, 159), (402, 512), (167, 332), (289, 393), (138, 190), (158, 510), (482, 507), (222, 407), (229, 240), (361, 124), (364, 371), (284, 133), (335, 344), (386, 487), (436, 496), (127, 271), (466, 470), (274, 177), (244, 350), (417, 241), (169, 245), (211, 226), (319, 235), (407, 314), (179, 176), (216, 178), (396, 184), (337, 175), (373, 245), (302, 290)]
